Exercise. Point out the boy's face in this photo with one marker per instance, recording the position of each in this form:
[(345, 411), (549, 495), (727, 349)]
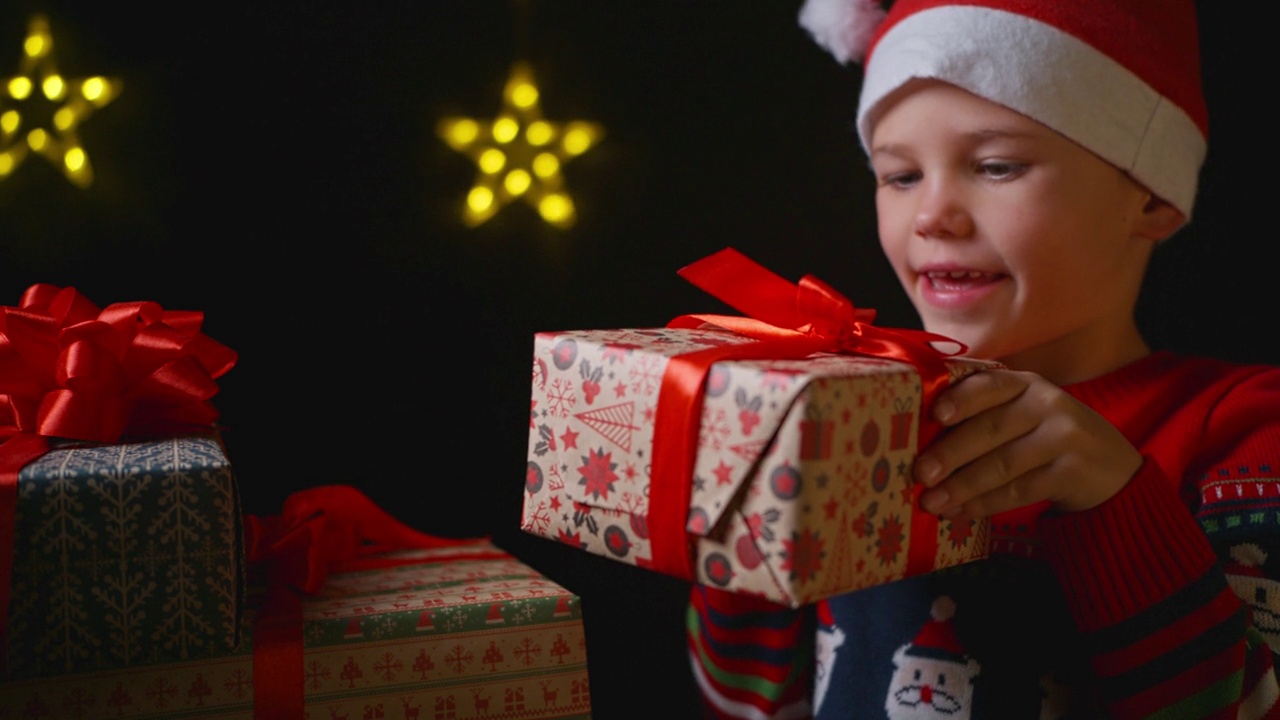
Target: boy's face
[(1007, 236)]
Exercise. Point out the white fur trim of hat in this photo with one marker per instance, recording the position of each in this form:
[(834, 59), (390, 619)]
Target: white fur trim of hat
[(1118, 77)]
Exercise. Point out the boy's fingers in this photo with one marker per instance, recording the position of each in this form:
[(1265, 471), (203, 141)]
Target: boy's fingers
[(977, 392), (1008, 476), (983, 435), (1027, 488)]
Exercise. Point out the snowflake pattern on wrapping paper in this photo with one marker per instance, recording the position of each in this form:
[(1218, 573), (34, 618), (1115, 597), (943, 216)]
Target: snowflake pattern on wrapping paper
[(527, 651), (160, 692), (561, 398), (458, 658), (383, 626), (645, 374), (239, 684), (715, 430), (77, 702), (455, 620), (387, 665), (538, 519), (522, 612)]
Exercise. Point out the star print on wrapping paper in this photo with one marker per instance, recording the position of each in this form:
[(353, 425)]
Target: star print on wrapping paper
[(569, 438), (41, 111), (519, 154)]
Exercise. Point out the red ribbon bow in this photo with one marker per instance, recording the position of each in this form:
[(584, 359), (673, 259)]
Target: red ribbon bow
[(788, 321), (331, 528), (71, 370)]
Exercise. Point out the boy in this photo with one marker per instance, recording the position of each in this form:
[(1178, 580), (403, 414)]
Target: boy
[(1029, 156)]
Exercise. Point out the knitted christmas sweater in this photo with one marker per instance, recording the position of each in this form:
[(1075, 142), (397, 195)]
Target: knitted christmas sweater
[(1162, 602)]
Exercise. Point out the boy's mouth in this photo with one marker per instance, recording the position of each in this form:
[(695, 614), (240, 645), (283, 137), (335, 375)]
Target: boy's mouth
[(958, 280)]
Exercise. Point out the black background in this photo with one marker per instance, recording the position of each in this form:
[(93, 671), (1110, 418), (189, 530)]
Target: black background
[(274, 164)]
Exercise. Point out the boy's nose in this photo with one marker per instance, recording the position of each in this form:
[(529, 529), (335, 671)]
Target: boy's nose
[(941, 213)]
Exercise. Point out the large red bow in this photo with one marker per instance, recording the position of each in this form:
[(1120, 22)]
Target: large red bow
[(71, 370), (788, 320)]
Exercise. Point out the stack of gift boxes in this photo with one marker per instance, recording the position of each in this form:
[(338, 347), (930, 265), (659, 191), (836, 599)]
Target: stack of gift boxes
[(133, 592)]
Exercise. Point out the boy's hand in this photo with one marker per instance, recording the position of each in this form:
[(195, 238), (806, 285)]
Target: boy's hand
[(1015, 439)]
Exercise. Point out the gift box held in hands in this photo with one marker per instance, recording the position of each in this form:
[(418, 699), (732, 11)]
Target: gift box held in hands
[(766, 460), (120, 541)]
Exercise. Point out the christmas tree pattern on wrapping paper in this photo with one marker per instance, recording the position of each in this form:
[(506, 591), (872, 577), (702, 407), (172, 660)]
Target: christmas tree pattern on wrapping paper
[(132, 556), (615, 423)]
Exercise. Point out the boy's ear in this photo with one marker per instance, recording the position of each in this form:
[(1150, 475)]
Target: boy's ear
[(1159, 220)]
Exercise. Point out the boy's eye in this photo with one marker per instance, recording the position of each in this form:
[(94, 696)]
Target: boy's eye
[(1000, 169), (900, 179)]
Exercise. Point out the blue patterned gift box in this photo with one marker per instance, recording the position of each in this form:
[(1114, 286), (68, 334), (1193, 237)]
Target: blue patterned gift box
[(125, 554)]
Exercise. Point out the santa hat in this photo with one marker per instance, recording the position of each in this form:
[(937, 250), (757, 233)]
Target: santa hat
[(1118, 77), (938, 640), (1247, 561)]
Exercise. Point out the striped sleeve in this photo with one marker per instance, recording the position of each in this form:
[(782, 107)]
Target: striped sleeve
[(1176, 629), (751, 658)]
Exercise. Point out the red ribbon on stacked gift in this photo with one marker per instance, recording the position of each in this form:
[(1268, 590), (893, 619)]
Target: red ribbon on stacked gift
[(787, 320), (73, 371), (319, 531)]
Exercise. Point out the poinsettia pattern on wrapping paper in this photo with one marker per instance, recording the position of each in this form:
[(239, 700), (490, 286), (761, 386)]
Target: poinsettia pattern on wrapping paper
[(800, 483), (607, 442)]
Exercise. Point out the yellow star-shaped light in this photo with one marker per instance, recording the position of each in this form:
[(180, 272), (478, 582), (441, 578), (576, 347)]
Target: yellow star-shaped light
[(519, 154), (40, 111)]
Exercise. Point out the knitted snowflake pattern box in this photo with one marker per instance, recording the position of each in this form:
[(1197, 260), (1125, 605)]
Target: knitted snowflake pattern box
[(125, 554), (456, 634), (801, 483)]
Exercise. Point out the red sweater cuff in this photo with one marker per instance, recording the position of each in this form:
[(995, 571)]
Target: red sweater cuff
[(1127, 554)]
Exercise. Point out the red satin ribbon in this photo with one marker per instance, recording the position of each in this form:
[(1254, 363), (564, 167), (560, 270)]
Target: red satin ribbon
[(71, 370), (788, 321), (322, 530)]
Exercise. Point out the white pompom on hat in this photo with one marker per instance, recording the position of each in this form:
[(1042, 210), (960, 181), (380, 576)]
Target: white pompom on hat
[(1118, 77)]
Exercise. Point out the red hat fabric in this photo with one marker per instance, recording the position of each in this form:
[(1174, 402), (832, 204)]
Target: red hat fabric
[(937, 638), (1119, 77)]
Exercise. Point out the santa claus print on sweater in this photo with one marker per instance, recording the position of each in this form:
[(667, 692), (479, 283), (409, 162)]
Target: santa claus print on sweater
[(933, 676), (1262, 594)]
